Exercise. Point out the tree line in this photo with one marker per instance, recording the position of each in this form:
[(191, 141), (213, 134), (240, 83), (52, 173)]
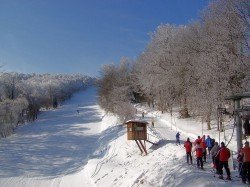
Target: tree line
[(192, 66), (23, 95)]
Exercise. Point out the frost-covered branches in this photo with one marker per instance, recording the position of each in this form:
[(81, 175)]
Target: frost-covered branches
[(11, 113), (115, 93), (194, 67), (22, 96), (197, 65)]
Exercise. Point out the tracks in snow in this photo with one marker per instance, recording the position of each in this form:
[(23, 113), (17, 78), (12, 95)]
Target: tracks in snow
[(106, 159)]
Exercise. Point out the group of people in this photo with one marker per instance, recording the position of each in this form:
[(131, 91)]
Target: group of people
[(220, 156), (200, 147)]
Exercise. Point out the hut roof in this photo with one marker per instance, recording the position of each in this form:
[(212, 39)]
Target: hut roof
[(136, 121)]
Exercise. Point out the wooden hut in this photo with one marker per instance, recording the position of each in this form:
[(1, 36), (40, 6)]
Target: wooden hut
[(137, 130)]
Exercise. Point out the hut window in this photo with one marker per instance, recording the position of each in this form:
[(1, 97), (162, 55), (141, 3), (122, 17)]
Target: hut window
[(130, 129), (139, 128)]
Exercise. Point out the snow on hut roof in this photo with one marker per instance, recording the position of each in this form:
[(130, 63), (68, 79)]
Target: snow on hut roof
[(136, 121)]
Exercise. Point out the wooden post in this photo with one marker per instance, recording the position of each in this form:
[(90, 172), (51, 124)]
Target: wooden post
[(143, 147), (151, 142), (139, 146)]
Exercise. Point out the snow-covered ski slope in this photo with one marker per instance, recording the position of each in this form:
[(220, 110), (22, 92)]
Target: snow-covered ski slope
[(64, 148)]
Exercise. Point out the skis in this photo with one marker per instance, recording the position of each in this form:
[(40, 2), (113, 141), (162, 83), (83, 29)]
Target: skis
[(232, 180)]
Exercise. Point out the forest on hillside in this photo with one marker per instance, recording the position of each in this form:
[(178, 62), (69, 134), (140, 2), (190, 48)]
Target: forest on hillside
[(192, 67), (22, 96)]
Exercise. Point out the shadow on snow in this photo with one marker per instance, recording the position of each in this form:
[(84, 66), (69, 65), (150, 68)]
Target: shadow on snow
[(59, 143)]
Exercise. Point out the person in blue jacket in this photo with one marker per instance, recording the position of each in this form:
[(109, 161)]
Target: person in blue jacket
[(209, 143), (178, 138)]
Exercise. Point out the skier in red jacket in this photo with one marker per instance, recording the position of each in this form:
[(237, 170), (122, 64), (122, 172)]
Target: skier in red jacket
[(204, 146), (245, 152), (188, 146), (199, 151), (197, 140), (223, 155)]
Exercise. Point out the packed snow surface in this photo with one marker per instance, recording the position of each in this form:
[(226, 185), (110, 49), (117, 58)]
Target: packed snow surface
[(78, 144)]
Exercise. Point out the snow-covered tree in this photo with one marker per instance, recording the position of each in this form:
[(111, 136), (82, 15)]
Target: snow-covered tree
[(198, 65), (115, 92), (22, 95)]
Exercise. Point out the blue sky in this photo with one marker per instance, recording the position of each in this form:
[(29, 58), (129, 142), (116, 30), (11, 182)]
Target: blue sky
[(79, 36)]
